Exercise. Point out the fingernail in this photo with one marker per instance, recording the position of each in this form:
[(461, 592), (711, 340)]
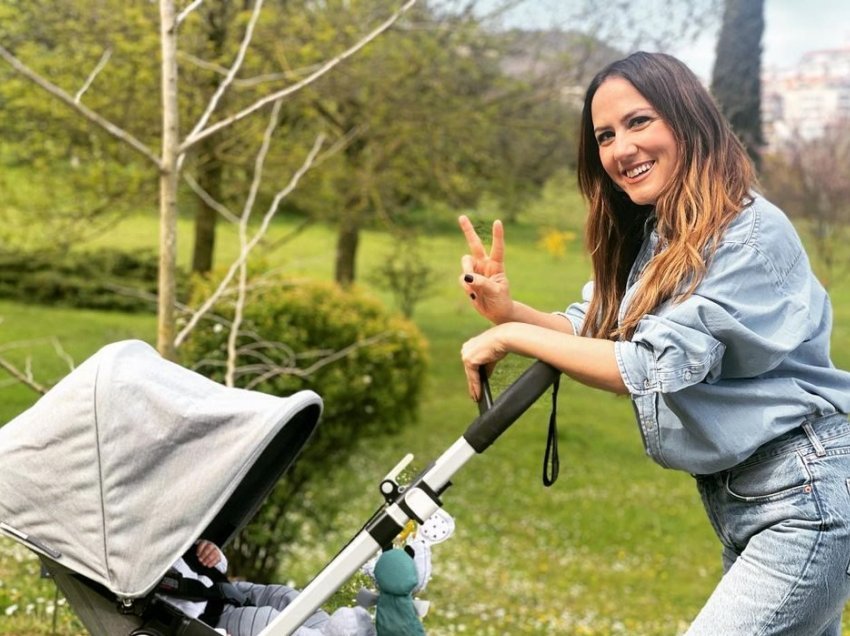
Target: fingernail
[(472, 296), (468, 278)]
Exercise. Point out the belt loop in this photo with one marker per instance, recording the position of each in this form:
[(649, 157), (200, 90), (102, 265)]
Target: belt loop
[(820, 451)]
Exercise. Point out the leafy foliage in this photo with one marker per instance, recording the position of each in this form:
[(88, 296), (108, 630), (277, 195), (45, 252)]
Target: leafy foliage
[(809, 180), (406, 274), (64, 180), (371, 390)]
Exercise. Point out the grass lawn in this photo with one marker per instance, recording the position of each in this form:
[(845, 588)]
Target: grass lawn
[(616, 546)]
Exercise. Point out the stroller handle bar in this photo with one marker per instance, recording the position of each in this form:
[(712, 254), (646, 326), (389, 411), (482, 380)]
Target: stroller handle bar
[(421, 498), (496, 417)]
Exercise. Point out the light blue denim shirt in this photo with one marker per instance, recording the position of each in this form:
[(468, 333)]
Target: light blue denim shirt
[(741, 361)]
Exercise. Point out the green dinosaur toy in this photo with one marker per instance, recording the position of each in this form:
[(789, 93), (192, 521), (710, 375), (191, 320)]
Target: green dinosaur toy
[(396, 577)]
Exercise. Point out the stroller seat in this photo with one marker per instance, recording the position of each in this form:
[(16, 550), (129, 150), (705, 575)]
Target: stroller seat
[(101, 614)]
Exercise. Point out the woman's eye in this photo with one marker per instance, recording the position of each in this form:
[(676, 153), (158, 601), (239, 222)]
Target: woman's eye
[(640, 120), (602, 137)]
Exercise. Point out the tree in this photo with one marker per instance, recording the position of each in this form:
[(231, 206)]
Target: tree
[(174, 147), (809, 179), (427, 114), (217, 18), (736, 79), (76, 181)]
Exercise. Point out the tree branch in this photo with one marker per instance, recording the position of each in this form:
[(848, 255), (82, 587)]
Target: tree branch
[(241, 295), (97, 69), (185, 12), (207, 198), (225, 83), (250, 81), (194, 138), (22, 377), (83, 110), (234, 267)]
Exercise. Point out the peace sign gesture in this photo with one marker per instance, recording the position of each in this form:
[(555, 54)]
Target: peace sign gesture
[(483, 277)]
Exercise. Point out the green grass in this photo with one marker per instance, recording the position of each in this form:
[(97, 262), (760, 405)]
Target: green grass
[(616, 546)]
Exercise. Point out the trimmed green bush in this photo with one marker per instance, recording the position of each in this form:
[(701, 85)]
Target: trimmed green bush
[(370, 385), (107, 279)]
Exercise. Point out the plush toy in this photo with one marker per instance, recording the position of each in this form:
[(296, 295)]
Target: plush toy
[(396, 575), (396, 578)]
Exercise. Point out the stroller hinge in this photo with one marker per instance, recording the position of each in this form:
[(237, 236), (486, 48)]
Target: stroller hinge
[(420, 502), (390, 488), (129, 606)]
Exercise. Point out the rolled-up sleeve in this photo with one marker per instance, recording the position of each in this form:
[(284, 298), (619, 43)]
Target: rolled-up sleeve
[(746, 315), (576, 313)]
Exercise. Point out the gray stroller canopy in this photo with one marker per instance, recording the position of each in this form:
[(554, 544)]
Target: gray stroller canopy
[(130, 458)]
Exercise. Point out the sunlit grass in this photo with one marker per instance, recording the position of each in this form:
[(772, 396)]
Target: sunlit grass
[(616, 546)]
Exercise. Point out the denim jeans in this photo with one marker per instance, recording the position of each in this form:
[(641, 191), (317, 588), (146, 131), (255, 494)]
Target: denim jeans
[(783, 517)]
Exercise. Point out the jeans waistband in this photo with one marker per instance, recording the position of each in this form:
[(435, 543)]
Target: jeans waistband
[(813, 433)]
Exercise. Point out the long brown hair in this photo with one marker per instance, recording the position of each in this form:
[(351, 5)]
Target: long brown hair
[(711, 184)]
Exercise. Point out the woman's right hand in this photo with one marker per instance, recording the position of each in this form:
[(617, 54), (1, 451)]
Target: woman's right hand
[(483, 278)]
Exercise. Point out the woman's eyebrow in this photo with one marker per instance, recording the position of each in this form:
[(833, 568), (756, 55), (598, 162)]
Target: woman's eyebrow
[(629, 115)]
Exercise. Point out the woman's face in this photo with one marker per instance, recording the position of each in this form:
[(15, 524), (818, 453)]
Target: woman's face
[(637, 148)]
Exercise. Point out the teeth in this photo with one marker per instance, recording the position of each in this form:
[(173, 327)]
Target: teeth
[(631, 174)]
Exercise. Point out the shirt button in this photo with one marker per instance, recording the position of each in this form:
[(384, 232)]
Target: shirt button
[(647, 383), (688, 375)]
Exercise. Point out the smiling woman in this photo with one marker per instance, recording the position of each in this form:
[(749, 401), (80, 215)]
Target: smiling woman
[(705, 311)]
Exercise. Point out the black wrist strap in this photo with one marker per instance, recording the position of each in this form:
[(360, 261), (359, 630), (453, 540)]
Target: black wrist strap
[(551, 462)]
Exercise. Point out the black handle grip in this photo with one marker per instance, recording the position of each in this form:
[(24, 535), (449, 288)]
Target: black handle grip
[(511, 403)]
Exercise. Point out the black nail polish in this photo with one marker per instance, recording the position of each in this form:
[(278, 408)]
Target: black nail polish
[(468, 278)]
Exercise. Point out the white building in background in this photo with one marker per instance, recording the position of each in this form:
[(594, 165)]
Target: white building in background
[(805, 101)]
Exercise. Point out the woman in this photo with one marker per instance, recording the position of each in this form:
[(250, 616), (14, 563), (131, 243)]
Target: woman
[(705, 311)]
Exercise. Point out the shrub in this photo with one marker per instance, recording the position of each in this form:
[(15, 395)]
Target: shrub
[(406, 274), (371, 390), (106, 279)]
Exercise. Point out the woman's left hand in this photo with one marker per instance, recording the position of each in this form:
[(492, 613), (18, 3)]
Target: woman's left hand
[(484, 349)]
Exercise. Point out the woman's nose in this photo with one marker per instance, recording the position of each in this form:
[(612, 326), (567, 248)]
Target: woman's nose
[(623, 148)]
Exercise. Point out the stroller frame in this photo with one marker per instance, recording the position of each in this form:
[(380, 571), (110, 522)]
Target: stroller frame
[(421, 498)]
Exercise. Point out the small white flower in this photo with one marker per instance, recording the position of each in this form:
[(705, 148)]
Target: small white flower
[(11, 610)]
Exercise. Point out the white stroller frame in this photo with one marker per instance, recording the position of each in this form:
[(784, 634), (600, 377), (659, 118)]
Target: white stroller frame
[(421, 498), (87, 546)]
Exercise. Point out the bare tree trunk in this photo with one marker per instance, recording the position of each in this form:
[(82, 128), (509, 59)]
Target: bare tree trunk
[(346, 249), (168, 183), (217, 17), (736, 78), (206, 217)]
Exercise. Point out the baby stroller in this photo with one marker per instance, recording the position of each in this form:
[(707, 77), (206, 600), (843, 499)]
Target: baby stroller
[(86, 473)]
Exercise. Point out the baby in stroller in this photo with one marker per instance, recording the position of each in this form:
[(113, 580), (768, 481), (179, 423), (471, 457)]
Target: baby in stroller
[(91, 471), (197, 585)]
